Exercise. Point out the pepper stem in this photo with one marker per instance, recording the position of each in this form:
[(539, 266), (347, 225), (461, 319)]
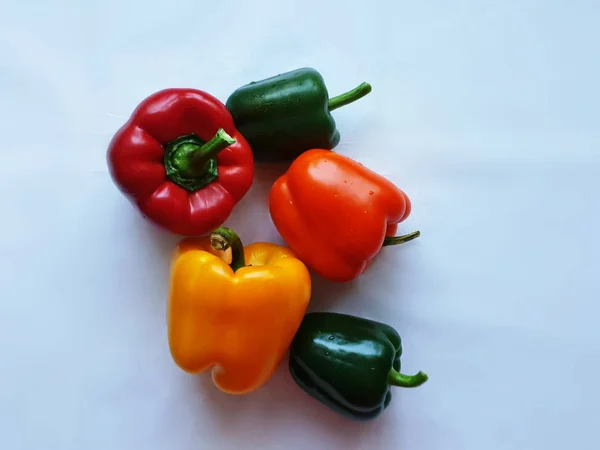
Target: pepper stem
[(408, 381), (395, 240), (348, 97), (223, 238), (190, 159), (191, 163)]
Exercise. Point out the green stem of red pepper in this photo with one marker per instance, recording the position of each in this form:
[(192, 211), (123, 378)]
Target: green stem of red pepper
[(395, 240), (348, 97), (408, 381), (222, 239), (191, 163)]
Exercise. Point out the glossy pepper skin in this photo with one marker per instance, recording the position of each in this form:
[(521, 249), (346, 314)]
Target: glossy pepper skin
[(336, 214), (287, 114), (234, 310), (181, 161), (349, 363)]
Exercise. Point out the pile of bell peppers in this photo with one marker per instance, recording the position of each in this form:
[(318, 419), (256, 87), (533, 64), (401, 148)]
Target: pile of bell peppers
[(184, 160)]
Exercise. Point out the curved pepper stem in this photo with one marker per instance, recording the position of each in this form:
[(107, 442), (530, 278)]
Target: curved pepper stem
[(223, 238), (395, 240), (191, 163), (408, 381), (348, 97)]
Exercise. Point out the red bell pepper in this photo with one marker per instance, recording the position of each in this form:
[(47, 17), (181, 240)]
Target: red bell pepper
[(336, 214), (181, 161)]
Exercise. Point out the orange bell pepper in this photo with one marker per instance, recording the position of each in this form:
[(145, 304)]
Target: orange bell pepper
[(234, 310), (336, 214)]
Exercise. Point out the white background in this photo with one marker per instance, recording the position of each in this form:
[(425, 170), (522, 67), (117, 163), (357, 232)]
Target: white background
[(485, 113)]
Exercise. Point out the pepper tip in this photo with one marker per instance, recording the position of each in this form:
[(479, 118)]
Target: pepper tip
[(218, 242), (221, 133)]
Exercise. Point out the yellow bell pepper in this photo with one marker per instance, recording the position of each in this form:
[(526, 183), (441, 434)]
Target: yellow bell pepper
[(234, 310)]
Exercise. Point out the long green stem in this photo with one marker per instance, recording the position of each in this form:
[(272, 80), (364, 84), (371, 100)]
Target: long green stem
[(408, 381), (348, 97), (401, 239), (191, 157), (223, 238), (192, 163)]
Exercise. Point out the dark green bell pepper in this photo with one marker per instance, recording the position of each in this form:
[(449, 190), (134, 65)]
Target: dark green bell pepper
[(288, 114), (348, 363)]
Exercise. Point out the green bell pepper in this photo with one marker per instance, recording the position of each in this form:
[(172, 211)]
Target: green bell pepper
[(288, 114), (348, 363)]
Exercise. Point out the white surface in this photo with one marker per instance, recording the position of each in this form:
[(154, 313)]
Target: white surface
[(486, 114)]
